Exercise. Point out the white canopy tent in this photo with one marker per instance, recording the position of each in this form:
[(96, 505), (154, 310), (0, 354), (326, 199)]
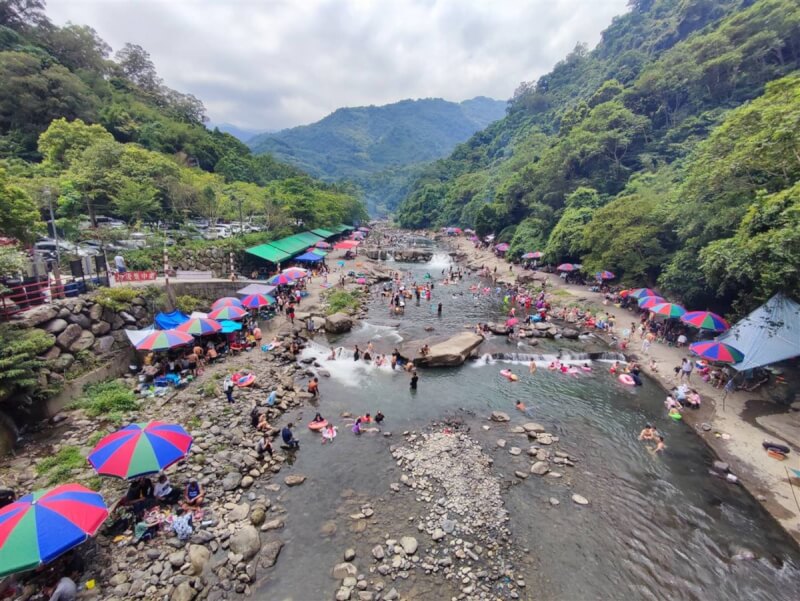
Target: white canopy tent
[(769, 334)]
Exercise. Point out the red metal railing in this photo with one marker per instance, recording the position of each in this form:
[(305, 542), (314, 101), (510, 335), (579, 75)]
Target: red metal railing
[(22, 297)]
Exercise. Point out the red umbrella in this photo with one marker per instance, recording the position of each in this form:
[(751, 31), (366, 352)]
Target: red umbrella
[(566, 267), (346, 244)]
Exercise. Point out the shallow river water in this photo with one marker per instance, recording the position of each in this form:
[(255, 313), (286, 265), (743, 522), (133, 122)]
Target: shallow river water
[(656, 527)]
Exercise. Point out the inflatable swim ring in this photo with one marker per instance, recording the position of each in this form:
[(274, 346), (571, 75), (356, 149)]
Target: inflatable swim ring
[(586, 368), (508, 374), (316, 426), (776, 455), (676, 416), (572, 370), (774, 446), (626, 379), (243, 380)]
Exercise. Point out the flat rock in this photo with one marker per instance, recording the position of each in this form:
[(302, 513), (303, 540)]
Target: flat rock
[(514, 451), (533, 427), (453, 351), (580, 500), (294, 479), (499, 416), (540, 468), (344, 570), (275, 524), (269, 553), (231, 481)]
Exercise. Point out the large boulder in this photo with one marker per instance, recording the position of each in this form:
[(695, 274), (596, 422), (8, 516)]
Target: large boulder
[(451, 352), (80, 319), (101, 327), (198, 557), (499, 416), (246, 542), (39, 315), (103, 345), (570, 333), (84, 341), (70, 334), (269, 553), (338, 323), (56, 326)]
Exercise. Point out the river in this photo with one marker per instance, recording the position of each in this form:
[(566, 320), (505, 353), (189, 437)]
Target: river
[(656, 527)]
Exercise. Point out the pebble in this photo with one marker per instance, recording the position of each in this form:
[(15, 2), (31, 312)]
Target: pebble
[(554, 501), (580, 500)]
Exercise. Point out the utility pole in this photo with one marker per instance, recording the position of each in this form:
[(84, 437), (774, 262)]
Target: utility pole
[(57, 266), (241, 220)]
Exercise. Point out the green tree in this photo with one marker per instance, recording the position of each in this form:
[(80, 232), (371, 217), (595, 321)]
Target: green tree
[(64, 141), (20, 217), (136, 201)]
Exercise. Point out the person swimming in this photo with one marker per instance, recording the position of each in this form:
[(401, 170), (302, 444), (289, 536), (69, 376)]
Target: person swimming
[(379, 417), (318, 418), (648, 433), (660, 446), (521, 406)]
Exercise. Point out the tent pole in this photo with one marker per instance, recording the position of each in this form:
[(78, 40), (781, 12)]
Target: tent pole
[(788, 475)]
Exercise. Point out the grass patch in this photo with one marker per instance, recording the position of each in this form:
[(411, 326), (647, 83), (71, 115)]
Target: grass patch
[(109, 399), (95, 483), (209, 389), (58, 468), (95, 438), (194, 422), (343, 301)]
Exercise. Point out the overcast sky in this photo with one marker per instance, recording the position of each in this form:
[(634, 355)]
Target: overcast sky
[(270, 64)]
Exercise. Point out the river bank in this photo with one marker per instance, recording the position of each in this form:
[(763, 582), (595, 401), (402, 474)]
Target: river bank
[(734, 436)]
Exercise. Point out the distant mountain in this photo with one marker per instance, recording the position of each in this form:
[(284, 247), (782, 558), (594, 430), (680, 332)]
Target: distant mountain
[(237, 132), (375, 146)]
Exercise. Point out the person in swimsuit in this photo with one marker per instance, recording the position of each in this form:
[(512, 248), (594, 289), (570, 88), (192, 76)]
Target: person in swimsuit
[(660, 446), (521, 406), (649, 433), (317, 418), (379, 417), (414, 380), (356, 353)]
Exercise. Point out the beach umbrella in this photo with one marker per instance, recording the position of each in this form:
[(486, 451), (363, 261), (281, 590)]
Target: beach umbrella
[(640, 292), (47, 523), (163, 340), (648, 302), (346, 244), (705, 320), (531, 255), (604, 275), (256, 301), (322, 244), (296, 272), (566, 267), (140, 449), (502, 247), (668, 310), (281, 279), (363, 229), (199, 326), (512, 321), (716, 351), (361, 281), (232, 313), (227, 301)]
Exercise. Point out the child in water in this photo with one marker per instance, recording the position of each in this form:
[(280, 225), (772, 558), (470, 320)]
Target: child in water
[(328, 433)]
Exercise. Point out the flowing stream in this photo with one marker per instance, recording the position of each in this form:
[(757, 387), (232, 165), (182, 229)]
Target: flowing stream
[(656, 527)]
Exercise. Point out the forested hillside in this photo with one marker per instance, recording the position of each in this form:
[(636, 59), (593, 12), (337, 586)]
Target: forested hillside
[(104, 136), (669, 154), (379, 147)]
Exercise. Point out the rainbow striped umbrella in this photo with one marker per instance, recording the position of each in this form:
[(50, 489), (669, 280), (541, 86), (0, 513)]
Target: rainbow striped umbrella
[(668, 310), (199, 326), (640, 292), (717, 351), (140, 449), (705, 320), (44, 524), (281, 278), (228, 312), (256, 301), (162, 340), (227, 301), (566, 267), (323, 244), (604, 275), (536, 255), (296, 272), (648, 302)]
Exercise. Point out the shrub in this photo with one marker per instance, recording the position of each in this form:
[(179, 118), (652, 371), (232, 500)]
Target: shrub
[(58, 468), (118, 298), (342, 300), (108, 399), (187, 303)]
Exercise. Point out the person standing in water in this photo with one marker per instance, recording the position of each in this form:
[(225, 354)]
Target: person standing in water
[(648, 433), (414, 380), (356, 353), (532, 367), (439, 310)]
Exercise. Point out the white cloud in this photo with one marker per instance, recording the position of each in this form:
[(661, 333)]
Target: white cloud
[(270, 64)]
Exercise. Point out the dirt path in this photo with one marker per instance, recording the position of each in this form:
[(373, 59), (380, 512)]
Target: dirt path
[(763, 476)]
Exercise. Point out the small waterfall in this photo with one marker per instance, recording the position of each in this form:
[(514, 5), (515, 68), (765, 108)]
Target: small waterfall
[(566, 357), (439, 261)]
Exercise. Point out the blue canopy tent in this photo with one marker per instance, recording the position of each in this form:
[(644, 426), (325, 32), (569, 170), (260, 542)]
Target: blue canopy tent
[(229, 326), (309, 258), (167, 321)]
